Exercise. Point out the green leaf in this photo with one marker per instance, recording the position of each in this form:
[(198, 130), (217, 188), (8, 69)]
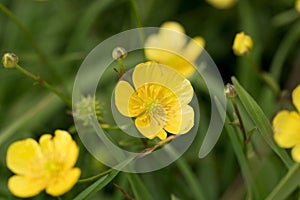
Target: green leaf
[(139, 189), (239, 153), (287, 184), (98, 185), (261, 122)]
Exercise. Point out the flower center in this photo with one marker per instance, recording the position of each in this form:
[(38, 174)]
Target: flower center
[(52, 167), (154, 103)]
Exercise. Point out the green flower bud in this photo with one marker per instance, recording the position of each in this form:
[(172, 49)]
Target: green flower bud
[(88, 107), (10, 60), (119, 53), (229, 91)]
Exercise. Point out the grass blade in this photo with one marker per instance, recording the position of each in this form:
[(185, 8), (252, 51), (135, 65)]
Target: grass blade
[(261, 122)]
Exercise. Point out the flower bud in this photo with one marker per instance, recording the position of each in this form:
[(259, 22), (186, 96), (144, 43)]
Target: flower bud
[(242, 44), (10, 60), (119, 53), (229, 91)]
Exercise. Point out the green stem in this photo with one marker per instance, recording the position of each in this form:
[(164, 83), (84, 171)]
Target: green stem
[(264, 76), (136, 13), (122, 70), (138, 20), (42, 56), (93, 178), (287, 184), (25, 31), (241, 124), (44, 84), (194, 185)]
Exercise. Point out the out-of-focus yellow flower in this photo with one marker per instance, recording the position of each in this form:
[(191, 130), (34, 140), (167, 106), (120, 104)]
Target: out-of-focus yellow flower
[(297, 5), (158, 100), (47, 165), (286, 127), (171, 48), (222, 4), (242, 44)]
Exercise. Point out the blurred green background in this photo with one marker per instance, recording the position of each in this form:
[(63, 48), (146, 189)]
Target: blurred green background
[(56, 35)]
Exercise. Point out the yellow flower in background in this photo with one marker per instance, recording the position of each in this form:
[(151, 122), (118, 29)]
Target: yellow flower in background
[(171, 48), (47, 165), (297, 5), (222, 4), (158, 100), (286, 127), (242, 44)]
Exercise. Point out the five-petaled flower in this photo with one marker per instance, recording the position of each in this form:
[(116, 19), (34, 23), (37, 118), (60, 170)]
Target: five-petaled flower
[(170, 47), (47, 165), (157, 100), (286, 127), (242, 44)]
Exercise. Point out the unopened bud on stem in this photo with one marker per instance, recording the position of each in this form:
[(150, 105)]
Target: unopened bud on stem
[(10, 60)]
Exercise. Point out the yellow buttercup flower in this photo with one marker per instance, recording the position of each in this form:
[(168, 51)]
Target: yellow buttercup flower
[(242, 44), (157, 100), (286, 127), (222, 4), (297, 5), (47, 165), (170, 48)]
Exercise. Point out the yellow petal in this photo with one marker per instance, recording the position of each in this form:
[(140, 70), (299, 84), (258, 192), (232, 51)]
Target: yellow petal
[(25, 187), (222, 4), (151, 72), (63, 183), (296, 98), (175, 26), (171, 37), (187, 122), (66, 150), (123, 93), (162, 135), (296, 153), (146, 127), (47, 146), (24, 157), (194, 49), (297, 5), (181, 123), (286, 127)]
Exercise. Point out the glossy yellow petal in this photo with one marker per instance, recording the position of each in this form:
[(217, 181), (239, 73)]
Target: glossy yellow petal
[(146, 127), (66, 150), (151, 72), (123, 92), (63, 183), (182, 122), (24, 187), (24, 157), (296, 153), (286, 127), (162, 135), (296, 98), (47, 146), (187, 122)]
